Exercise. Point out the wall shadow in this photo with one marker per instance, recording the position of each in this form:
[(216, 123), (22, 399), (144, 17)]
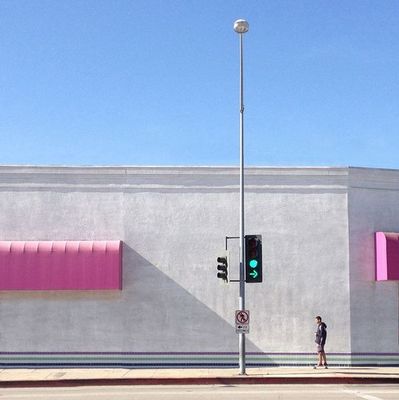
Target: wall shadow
[(174, 320)]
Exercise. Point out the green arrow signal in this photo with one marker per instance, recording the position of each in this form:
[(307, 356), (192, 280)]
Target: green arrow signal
[(254, 274)]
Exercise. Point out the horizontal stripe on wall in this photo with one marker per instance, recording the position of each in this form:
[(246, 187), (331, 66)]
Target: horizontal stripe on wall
[(187, 360)]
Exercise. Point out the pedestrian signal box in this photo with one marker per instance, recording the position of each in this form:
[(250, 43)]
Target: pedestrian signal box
[(253, 258), (223, 267)]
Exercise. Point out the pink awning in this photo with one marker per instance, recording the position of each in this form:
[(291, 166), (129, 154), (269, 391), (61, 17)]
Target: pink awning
[(60, 265), (387, 256)]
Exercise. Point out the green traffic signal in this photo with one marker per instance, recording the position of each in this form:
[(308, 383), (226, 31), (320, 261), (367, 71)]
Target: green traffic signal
[(253, 263), (253, 258)]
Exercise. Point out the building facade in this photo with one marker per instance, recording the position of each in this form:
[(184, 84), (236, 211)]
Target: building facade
[(318, 227)]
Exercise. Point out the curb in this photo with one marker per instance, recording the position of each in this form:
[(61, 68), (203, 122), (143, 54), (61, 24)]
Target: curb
[(239, 380)]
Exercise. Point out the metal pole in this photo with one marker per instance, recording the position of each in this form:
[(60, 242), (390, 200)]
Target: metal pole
[(241, 337), (241, 26)]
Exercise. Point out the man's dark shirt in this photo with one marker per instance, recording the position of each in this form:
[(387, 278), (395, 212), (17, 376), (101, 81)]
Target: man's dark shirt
[(321, 334)]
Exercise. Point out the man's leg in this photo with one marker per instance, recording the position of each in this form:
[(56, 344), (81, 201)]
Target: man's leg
[(320, 354), (324, 357)]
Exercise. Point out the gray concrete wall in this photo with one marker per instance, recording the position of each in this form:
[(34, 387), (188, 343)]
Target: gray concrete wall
[(373, 206), (173, 222)]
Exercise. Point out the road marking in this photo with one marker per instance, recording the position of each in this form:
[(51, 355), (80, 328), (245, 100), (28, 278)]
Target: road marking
[(362, 395)]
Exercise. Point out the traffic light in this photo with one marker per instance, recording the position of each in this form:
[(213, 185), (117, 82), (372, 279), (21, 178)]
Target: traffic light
[(253, 258), (223, 267)]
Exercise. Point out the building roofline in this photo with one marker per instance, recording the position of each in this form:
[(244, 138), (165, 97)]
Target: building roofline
[(180, 178)]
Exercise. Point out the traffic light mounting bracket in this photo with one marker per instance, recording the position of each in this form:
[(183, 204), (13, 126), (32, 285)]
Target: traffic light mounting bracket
[(227, 238)]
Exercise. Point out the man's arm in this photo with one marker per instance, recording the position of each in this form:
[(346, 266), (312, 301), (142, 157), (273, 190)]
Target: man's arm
[(323, 334)]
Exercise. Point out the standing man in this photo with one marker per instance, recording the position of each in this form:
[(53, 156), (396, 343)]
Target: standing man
[(321, 337)]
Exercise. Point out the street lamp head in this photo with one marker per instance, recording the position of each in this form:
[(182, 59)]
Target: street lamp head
[(241, 26)]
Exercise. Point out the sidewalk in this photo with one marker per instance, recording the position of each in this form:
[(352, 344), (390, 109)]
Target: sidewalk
[(273, 375)]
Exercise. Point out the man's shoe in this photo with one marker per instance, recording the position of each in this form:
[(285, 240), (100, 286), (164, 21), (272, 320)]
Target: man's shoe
[(325, 366)]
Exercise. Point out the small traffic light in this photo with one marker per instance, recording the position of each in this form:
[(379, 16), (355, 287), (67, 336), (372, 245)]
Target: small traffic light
[(223, 267), (253, 258)]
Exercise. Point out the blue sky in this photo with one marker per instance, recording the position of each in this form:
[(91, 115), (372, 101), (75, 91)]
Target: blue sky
[(151, 82)]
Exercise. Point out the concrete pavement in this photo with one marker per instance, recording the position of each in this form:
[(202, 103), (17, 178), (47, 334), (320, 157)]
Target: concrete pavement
[(272, 375), (209, 392)]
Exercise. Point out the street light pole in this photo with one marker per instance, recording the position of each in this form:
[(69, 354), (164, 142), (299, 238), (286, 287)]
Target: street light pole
[(241, 26)]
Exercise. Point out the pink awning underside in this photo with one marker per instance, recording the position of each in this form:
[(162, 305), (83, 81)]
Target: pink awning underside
[(387, 256), (60, 265)]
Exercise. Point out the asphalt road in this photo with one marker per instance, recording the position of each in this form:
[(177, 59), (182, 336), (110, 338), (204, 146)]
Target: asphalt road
[(236, 392)]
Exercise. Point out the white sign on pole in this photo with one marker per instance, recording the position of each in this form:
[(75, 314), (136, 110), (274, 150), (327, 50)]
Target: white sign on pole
[(242, 321)]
